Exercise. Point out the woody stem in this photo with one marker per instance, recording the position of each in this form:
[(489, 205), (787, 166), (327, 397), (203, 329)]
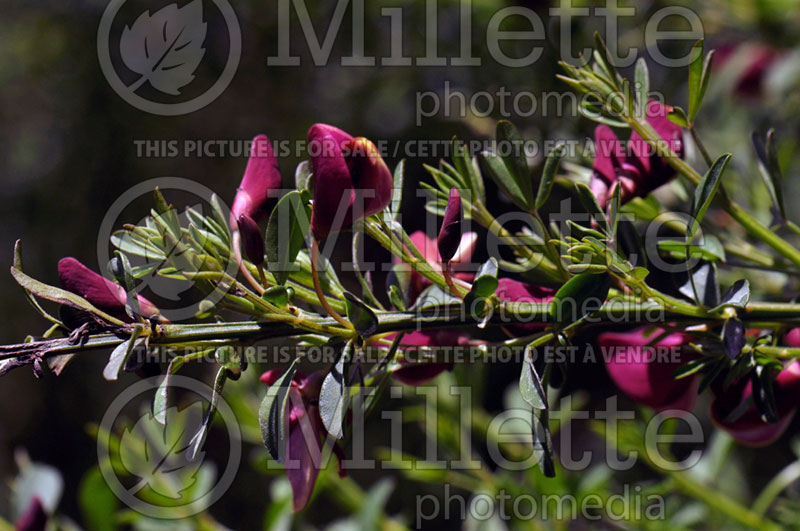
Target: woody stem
[(318, 287)]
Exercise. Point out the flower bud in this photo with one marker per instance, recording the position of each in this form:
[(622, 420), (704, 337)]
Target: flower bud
[(102, 293), (252, 241), (450, 233), (260, 176), (348, 173)]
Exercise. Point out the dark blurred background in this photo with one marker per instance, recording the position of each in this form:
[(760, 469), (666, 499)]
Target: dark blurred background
[(67, 140)]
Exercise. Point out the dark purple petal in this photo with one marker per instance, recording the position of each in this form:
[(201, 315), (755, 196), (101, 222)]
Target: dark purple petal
[(369, 174), (102, 293), (303, 449), (450, 234), (252, 240), (647, 374), (514, 291), (261, 175), (34, 518), (654, 170), (421, 373), (331, 175), (748, 428)]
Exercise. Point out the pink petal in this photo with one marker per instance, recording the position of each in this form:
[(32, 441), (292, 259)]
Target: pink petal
[(261, 175)]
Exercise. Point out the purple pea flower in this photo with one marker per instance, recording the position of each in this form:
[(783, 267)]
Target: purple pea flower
[(644, 373), (260, 176), (102, 293), (345, 168), (450, 234), (307, 434), (746, 426), (638, 170), (515, 291)]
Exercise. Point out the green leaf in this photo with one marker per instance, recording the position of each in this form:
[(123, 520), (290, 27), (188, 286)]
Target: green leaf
[(397, 193), (286, 231), (513, 147), (120, 269), (678, 116), (168, 214), (360, 315), (483, 287), (543, 441), (272, 414), (334, 397), (97, 502), (466, 167), (693, 367), (613, 211), (737, 295), (277, 295), (699, 70), (530, 385), (642, 78), (549, 175), (160, 401), (701, 286), (589, 202), (769, 169), (705, 193), (570, 301), (302, 175), (200, 437), (116, 362)]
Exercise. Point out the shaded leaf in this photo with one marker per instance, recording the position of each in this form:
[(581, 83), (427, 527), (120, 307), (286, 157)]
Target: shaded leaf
[(549, 173), (286, 230), (360, 315), (705, 193), (334, 397), (272, 414)]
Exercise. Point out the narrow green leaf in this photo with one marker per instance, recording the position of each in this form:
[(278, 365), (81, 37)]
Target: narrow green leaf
[(160, 401), (286, 230), (705, 193), (549, 173), (397, 194), (334, 396), (120, 269), (512, 148), (589, 202), (196, 443), (530, 385), (736, 296), (302, 175), (360, 315), (642, 77), (699, 75), (116, 362), (272, 414)]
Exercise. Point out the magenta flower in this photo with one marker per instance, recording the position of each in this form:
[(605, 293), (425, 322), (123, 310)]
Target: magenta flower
[(515, 291), (347, 171), (260, 176), (34, 518), (307, 434), (423, 372), (646, 374), (747, 427), (102, 293), (638, 170), (450, 234)]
